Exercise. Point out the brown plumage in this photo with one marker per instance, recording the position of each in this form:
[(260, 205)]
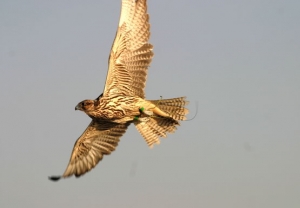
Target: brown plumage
[(122, 101)]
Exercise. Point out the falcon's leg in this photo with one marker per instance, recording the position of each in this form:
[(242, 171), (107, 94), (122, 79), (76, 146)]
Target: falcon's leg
[(143, 111), (150, 111), (146, 112), (154, 110)]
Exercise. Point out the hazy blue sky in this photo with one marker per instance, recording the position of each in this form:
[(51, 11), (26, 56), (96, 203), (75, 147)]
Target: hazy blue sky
[(239, 59)]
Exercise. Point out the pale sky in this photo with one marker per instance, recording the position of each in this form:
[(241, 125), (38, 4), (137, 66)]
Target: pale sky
[(240, 60)]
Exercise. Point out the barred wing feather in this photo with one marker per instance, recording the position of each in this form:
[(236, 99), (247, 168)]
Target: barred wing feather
[(131, 54), (99, 139)]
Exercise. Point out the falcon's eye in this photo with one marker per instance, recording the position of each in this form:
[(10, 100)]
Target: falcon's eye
[(82, 104)]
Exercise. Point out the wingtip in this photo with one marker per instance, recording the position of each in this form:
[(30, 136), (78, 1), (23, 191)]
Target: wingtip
[(54, 178)]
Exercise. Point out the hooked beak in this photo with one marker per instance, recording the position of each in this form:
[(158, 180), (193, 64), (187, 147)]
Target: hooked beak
[(77, 107)]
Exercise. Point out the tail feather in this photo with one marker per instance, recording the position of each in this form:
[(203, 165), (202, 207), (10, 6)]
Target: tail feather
[(156, 126), (173, 101), (174, 107)]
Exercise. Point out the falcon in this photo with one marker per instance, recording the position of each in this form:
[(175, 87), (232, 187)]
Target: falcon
[(123, 99)]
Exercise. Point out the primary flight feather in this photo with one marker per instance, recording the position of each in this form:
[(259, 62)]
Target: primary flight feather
[(122, 101)]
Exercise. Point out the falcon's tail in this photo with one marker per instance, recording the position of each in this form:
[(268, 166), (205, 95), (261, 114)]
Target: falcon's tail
[(158, 126)]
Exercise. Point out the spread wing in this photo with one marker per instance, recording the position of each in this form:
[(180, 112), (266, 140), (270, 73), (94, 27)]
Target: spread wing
[(131, 53), (99, 139)]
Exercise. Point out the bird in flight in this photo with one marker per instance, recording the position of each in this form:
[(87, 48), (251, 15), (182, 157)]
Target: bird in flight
[(123, 99)]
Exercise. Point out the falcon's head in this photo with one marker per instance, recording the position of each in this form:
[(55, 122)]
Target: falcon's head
[(86, 105)]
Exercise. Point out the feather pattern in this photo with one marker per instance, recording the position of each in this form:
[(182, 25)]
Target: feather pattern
[(99, 139), (155, 128), (175, 107), (158, 126), (131, 54)]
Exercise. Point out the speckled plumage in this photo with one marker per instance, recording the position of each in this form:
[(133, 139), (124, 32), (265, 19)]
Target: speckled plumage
[(122, 101)]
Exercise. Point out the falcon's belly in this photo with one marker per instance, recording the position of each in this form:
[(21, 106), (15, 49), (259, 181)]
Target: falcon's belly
[(119, 109)]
